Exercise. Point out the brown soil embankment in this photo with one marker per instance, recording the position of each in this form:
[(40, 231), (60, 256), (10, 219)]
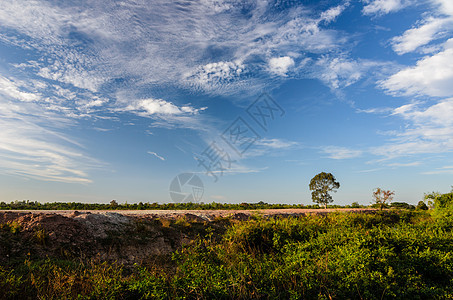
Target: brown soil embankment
[(124, 236)]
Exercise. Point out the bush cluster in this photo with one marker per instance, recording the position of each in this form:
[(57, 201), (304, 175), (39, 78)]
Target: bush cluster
[(382, 255)]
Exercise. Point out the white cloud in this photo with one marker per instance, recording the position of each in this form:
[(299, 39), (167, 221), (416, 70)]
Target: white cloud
[(431, 76), (150, 107), (235, 169), (274, 143), (12, 89), (439, 114), (216, 76), (73, 73), (157, 43), (432, 28), (411, 164), (335, 152), (444, 170), (445, 6), (375, 110), (29, 148), (340, 72), (89, 54), (281, 65), (369, 170), (332, 13), (380, 7), (157, 155), (429, 130)]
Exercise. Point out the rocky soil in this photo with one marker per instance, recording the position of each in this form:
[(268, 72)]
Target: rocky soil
[(127, 237)]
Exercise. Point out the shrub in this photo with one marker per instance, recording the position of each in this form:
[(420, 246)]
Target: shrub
[(402, 205), (421, 206)]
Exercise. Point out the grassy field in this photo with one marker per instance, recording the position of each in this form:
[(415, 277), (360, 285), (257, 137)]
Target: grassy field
[(382, 255)]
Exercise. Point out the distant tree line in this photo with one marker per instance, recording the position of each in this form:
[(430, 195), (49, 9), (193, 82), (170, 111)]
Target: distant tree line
[(35, 205), (114, 205)]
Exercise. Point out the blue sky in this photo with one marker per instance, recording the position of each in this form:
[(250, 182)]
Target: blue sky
[(104, 100)]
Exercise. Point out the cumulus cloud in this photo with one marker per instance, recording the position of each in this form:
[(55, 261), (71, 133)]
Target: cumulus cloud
[(280, 65), (431, 76), (150, 107)]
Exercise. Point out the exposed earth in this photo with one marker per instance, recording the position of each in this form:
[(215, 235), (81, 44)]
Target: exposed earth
[(127, 237)]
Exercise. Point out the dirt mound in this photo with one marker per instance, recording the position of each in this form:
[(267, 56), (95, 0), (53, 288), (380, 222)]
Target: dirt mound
[(127, 237), (106, 235)]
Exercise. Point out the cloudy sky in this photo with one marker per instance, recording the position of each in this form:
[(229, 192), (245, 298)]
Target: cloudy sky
[(104, 100)]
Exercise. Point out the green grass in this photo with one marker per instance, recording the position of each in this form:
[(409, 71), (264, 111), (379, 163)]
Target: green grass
[(384, 255)]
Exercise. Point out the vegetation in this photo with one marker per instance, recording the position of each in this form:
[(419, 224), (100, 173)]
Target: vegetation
[(440, 201), (321, 185), (114, 205), (382, 255), (382, 197), (403, 253), (422, 205)]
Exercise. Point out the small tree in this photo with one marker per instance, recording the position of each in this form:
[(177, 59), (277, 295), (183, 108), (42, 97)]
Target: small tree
[(321, 185), (421, 206), (382, 197)]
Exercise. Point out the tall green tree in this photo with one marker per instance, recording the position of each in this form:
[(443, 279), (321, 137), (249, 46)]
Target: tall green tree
[(321, 185)]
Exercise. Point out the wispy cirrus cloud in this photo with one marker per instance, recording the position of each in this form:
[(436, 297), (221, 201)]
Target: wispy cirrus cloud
[(12, 89), (336, 152), (156, 155), (429, 129), (275, 143), (447, 170), (29, 148), (208, 48), (114, 58)]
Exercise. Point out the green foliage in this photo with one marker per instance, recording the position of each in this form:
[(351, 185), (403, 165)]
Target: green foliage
[(321, 185), (382, 255), (441, 201), (13, 227), (421, 206), (402, 205), (443, 207), (356, 205), (114, 205), (41, 236)]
